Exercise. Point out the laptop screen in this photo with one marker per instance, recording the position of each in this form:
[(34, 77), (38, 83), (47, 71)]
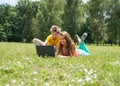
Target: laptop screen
[(45, 51)]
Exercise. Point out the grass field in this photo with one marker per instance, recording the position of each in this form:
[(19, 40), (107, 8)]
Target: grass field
[(20, 66)]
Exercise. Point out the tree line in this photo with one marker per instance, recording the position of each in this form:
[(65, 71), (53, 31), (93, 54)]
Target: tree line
[(29, 19)]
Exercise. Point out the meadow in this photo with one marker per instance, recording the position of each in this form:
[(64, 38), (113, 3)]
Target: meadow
[(20, 66)]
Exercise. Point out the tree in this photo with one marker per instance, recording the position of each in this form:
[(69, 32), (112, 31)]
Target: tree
[(27, 11), (113, 20), (118, 25), (8, 22), (71, 16), (96, 14), (2, 34), (49, 14)]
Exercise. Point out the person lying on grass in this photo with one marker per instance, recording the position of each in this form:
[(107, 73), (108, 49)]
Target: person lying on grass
[(67, 47), (52, 40)]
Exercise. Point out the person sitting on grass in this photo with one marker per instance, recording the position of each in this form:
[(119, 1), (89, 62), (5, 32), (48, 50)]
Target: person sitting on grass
[(52, 40), (67, 47)]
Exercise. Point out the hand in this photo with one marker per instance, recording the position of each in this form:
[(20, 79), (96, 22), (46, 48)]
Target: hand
[(61, 56)]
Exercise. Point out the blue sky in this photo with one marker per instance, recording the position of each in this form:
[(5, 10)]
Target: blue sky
[(14, 2), (10, 2)]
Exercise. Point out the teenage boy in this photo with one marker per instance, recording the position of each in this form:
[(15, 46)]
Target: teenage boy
[(52, 39)]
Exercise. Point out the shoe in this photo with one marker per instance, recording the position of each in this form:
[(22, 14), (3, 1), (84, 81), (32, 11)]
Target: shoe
[(84, 36), (78, 39)]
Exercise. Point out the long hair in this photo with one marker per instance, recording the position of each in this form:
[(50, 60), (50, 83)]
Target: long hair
[(70, 44)]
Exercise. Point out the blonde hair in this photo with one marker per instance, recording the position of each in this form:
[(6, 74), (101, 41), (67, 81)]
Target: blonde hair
[(70, 44), (55, 28)]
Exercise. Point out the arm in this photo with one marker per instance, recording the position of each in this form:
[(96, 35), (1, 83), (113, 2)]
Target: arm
[(61, 56), (47, 39)]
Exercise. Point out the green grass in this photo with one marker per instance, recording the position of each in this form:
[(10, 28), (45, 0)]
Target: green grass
[(20, 66)]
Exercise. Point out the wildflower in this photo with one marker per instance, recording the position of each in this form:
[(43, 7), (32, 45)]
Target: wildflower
[(46, 84), (35, 79), (88, 78), (14, 81), (90, 72), (86, 70), (80, 80), (19, 63), (70, 85), (7, 85), (95, 75), (35, 72), (73, 80), (22, 83)]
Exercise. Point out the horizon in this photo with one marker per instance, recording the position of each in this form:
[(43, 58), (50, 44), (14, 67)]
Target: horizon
[(14, 2)]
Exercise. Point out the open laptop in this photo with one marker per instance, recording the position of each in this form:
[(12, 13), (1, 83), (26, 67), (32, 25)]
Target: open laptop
[(46, 50)]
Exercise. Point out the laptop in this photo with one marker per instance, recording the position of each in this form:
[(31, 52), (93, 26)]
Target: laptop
[(46, 50)]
